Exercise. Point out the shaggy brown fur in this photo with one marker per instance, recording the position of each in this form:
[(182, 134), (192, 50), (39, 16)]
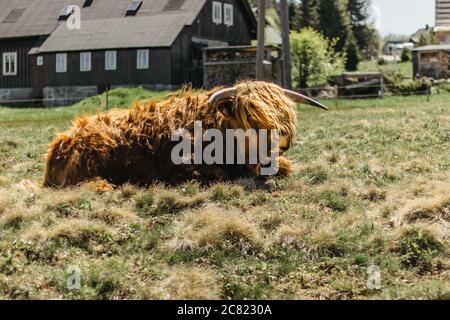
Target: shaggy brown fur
[(135, 145)]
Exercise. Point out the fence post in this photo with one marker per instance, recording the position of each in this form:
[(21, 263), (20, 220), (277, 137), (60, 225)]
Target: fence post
[(261, 47), (381, 86), (336, 88), (107, 97)]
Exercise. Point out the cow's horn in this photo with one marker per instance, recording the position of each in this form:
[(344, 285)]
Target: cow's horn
[(300, 98), (221, 95)]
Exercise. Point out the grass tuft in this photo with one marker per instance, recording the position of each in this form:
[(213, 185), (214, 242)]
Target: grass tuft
[(434, 208), (76, 232), (189, 283), (144, 202), (224, 193), (211, 230)]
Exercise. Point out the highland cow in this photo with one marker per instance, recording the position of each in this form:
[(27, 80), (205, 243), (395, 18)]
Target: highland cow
[(134, 145)]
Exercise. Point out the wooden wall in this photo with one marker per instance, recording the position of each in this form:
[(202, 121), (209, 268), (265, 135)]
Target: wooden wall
[(126, 73), (23, 79), (238, 34)]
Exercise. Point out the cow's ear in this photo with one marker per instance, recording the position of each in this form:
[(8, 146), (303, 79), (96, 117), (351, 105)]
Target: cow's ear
[(226, 107)]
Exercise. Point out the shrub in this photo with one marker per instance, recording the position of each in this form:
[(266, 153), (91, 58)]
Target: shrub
[(417, 247), (398, 85), (314, 59), (406, 55), (381, 61)]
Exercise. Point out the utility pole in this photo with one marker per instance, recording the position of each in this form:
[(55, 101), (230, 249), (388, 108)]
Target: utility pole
[(287, 66), (261, 37)]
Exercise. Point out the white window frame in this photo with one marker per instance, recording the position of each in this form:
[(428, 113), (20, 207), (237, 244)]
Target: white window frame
[(61, 62), (10, 63), (85, 61), (228, 19), (111, 60), (39, 61), (143, 59), (217, 12)]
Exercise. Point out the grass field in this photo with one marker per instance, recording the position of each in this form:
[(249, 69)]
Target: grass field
[(403, 68), (371, 187)]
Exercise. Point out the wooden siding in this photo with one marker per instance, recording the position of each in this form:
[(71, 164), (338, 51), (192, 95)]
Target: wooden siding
[(23, 79), (126, 73), (238, 34), (181, 57)]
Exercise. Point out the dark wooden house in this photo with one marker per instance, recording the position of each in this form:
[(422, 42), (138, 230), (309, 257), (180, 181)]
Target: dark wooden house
[(153, 43), (433, 60)]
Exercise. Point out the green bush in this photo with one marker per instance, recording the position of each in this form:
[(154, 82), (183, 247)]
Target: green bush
[(406, 55), (314, 59), (381, 61), (417, 247), (397, 84)]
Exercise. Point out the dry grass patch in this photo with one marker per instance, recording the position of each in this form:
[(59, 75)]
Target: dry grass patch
[(215, 229), (4, 181), (224, 192), (171, 202), (325, 241), (15, 217), (271, 220), (375, 194), (114, 215), (127, 191), (5, 201), (163, 201), (316, 174), (68, 204), (432, 209), (291, 235), (77, 232), (188, 283)]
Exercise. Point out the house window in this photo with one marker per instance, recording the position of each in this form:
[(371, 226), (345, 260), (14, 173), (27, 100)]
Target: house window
[(228, 14), (61, 62), (110, 60), (40, 60), (10, 63), (217, 12), (142, 59), (85, 61)]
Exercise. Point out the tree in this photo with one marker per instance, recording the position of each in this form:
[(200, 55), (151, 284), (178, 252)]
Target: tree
[(406, 55), (294, 15), (309, 14), (352, 53), (365, 34), (335, 21), (314, 59)]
